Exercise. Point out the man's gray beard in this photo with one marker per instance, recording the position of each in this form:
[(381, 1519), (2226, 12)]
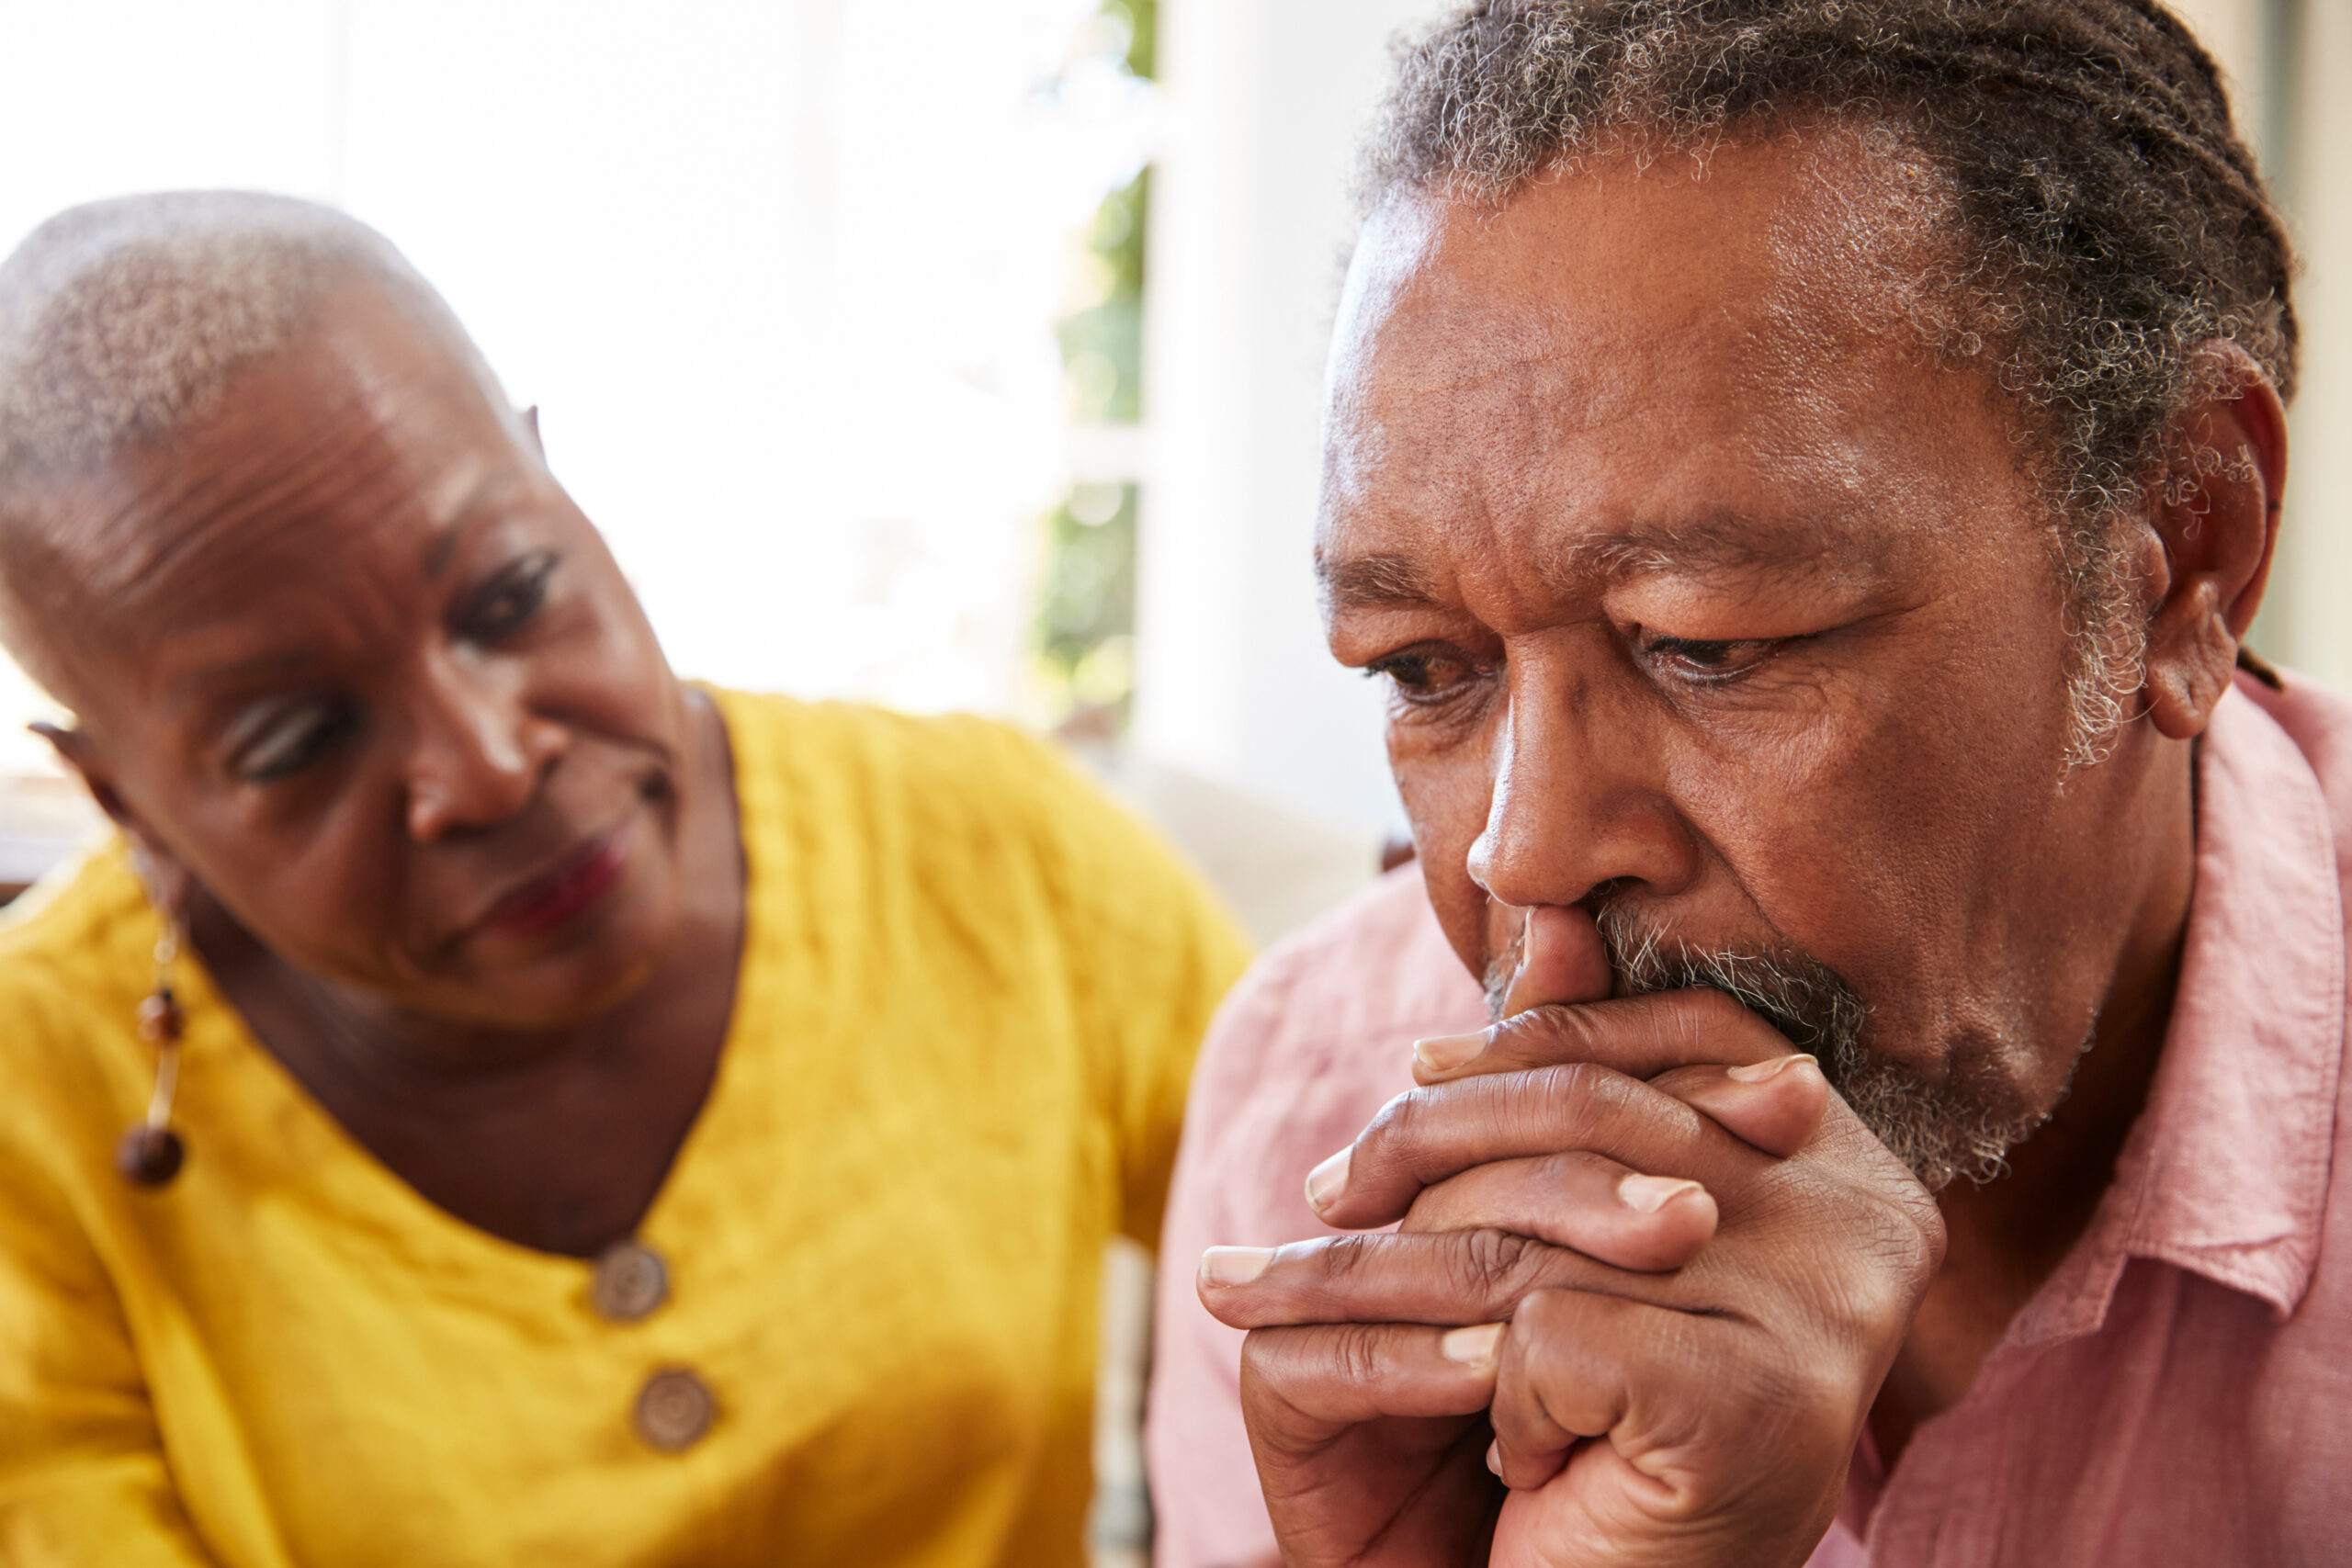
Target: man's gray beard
[(1964, 1125)]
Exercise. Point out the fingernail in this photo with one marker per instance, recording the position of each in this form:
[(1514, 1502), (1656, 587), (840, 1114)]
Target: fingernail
[(1234, 1265), (1323, 1183), (1471, 1346), (1760, 1072), (1443, 1052), (1651, 1193), (1495, 1456)]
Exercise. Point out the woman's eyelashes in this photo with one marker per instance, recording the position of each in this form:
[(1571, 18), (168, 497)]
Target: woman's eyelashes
[(286, 738), (506, 603)]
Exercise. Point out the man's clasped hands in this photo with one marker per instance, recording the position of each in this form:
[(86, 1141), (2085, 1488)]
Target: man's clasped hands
[(1647, 1268)]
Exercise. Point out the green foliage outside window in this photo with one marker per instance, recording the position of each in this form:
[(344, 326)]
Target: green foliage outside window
[(1085, 647)]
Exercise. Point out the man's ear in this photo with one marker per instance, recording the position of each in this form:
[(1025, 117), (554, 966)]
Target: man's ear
[(168, 882), (2216, 514)]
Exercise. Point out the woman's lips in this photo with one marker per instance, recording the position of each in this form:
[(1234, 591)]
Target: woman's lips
[(564, 893)]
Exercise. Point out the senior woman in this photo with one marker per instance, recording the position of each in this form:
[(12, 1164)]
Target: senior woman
[(494, 1102)]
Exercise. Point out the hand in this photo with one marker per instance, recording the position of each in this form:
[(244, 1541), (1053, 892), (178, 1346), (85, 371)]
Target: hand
[(1725, 1339)]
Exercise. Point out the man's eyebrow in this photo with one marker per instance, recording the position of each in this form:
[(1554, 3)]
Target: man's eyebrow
[(1720, 544), (1369, 581)]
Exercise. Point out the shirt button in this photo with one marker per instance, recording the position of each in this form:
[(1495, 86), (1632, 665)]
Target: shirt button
[(673, 1410), (631, 1281)]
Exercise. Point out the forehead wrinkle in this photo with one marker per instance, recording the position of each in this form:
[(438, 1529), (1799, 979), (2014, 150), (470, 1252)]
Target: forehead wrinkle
[(175, 516)]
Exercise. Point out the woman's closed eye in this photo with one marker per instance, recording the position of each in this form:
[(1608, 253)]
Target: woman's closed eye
[(285, 738)]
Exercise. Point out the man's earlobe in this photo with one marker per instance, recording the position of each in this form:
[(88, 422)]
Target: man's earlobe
[(2215, 512)]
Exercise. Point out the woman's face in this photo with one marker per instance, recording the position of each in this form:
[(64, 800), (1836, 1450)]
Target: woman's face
[(348, 658)]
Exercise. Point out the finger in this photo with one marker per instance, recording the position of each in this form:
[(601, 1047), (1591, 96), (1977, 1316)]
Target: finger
[(1577, 1199), (1560, 959), (1639, 1036), (1425, 1135), (1302, 1385), (1366, 1436), (1447, 1278), (1777, 1105), (1573, 1373), (1680, 1400)]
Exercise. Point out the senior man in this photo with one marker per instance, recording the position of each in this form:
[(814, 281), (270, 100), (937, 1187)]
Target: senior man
[(1806, 469)]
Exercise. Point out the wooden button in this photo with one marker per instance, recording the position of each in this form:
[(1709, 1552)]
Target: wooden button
[(673, 1410), (629, 1282)]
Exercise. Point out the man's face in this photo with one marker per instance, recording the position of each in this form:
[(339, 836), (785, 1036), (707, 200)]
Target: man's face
[(1705, 607), (347, 656)]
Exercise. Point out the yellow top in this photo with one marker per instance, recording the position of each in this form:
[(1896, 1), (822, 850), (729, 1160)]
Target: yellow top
[(968, 1002)]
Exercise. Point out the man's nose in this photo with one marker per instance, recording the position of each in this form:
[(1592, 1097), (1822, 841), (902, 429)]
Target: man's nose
[(479, 752), (1576, 800)]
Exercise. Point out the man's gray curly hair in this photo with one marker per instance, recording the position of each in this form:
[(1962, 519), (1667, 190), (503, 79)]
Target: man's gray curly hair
[(2108, 223)]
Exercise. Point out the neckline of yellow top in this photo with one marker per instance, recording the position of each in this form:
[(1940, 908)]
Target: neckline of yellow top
[(205, 1026)]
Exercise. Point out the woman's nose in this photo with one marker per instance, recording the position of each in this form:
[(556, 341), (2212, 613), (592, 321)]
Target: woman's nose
[(479, 752)]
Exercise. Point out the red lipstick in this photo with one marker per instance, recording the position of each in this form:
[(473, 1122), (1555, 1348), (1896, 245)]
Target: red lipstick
[(564, 892)]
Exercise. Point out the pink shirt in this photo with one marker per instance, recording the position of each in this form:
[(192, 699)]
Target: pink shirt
[(2180, 1391)]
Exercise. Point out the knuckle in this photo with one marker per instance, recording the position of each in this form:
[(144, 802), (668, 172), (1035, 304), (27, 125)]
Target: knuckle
[(1388, 1121), (1871, 1286), (1575, 1096), (1388, 1139), (1498, 1266), (1355, 1353), (1345, 1256)]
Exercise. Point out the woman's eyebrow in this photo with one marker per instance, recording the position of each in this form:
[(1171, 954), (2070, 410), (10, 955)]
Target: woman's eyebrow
[(485, 495)]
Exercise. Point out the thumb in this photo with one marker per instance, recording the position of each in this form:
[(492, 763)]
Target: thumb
[(1561, 960)]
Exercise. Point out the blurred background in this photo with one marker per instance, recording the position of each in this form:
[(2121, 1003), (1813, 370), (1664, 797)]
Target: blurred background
[(948, 353)]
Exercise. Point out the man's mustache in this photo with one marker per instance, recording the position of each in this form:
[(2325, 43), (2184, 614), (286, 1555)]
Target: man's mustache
[(1941, 1129), (1793, 991)]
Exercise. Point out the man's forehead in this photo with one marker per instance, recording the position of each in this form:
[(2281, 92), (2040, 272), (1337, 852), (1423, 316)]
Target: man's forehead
[(1625, 370), (1611, 248)]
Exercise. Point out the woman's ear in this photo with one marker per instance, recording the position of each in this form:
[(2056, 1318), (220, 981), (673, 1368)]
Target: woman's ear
[(168, 882), (2215, 512)]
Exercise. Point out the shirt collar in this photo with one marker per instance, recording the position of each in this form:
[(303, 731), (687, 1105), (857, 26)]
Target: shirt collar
[(2225, 1173)]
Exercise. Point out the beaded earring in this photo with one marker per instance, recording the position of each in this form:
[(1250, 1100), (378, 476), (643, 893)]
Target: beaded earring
[(150, 1154)]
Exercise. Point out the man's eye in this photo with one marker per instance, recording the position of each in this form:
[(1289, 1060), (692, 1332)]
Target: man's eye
[(1706, 661), (1424, 675), (289, 740), (507, 601)]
